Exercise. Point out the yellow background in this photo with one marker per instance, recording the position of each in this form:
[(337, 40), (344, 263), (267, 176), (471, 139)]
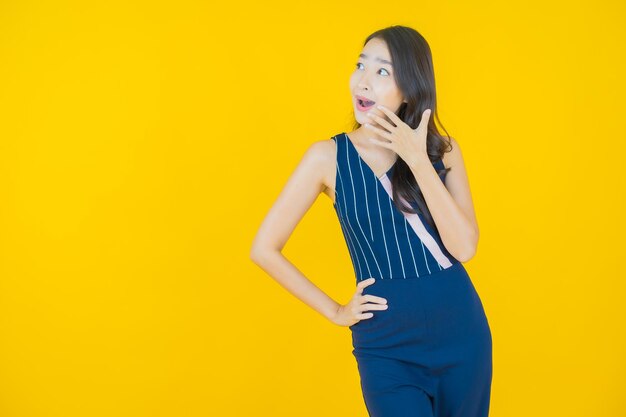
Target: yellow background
[(141, 145)]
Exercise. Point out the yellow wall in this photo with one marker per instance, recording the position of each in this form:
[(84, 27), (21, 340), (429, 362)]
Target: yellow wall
[(142, 144)]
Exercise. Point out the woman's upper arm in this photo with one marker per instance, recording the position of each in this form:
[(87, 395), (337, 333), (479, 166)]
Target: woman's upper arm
[(457, 182), (301, 190)]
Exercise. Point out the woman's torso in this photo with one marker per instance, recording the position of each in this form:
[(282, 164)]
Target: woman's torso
[(381, 240)]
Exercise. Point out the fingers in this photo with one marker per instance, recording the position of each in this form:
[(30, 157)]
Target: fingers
[(362, 304), (369, 297), (370, 306), (424, 121), (381, 121), (362, 311), (364, 316), (379, 132), (392, 116), (374, 298), (364, 283)]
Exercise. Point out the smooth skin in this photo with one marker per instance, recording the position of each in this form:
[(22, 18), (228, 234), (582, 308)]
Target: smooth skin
[(381, 139)]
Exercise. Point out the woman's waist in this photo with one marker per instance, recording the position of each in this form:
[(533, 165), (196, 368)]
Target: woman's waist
[(454, 268)]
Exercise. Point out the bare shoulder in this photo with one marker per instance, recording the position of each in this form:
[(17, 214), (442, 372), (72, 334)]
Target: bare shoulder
[(300, 191), (322, 151), (325, 153)]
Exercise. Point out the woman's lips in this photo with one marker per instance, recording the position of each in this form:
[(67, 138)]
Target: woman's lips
[(363, 108)]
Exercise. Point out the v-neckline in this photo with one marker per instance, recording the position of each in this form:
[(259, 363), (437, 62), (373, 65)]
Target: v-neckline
[(365, 163)]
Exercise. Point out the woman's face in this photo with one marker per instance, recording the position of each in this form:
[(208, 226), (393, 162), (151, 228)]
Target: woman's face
[(373, 79)]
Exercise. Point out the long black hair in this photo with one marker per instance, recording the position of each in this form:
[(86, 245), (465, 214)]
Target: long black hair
[(415, 77)]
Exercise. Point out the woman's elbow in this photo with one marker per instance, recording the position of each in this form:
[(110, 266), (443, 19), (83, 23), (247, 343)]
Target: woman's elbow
[(261, 253), (465, 256), (469, 251), (256, 254)]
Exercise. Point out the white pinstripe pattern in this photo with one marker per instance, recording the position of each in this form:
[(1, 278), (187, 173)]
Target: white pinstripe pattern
[(410, 247), (351, 248), (382, 225), (362, 266), (355, 237), (356, 265), (393, 222), (367, 206), (419, 229), (353, 232), (361, 163), (425, 257), (357, 218)]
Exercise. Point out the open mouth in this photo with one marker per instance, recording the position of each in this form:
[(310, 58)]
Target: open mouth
[(366, 103)]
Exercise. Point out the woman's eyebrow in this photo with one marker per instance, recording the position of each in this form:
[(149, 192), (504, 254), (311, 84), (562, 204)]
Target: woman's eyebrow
[(384, 61)]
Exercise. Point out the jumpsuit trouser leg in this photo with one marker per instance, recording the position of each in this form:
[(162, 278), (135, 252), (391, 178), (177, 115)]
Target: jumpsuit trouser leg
[(428, 354)]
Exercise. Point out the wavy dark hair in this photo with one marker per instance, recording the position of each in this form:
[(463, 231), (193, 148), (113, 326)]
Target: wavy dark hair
[(415, 77)]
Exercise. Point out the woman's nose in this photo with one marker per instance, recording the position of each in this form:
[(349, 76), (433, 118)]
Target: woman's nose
[(364, 82)]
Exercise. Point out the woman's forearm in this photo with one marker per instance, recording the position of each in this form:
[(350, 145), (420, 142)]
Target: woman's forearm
[(289, 277), (456, 230)]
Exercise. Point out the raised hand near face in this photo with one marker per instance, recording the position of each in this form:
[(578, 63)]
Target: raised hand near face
[(408, 143)]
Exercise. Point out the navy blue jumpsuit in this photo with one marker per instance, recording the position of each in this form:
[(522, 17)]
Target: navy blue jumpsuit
[(429, 353)]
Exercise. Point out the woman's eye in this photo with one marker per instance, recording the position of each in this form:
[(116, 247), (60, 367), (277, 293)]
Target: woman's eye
[(382, 69)]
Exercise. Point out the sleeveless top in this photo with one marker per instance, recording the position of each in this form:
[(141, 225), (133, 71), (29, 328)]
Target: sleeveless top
[(383, 242)]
